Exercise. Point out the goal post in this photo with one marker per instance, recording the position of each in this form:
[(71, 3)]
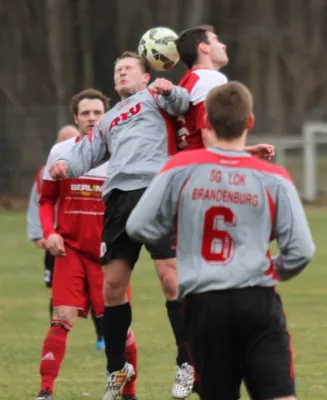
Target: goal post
[(310, 132)]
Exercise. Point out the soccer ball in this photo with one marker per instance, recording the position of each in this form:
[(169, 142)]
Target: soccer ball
[(157, 45)]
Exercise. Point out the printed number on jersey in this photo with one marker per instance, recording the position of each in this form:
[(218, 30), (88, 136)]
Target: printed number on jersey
[(217, 243)]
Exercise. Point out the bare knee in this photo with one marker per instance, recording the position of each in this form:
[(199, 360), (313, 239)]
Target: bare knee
[(167, 273), (285, 398), (116, 277), (64, 315)]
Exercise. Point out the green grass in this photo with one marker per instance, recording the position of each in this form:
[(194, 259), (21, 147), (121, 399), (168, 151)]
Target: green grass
[(24, 322)]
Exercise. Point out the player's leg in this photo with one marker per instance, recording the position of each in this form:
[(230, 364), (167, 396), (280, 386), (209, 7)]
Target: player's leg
[(48, 275), (215, 357), (118, 257), (129, 390), (270, 377), (117, 320), (163, 254), (98, 326), (67, 293)]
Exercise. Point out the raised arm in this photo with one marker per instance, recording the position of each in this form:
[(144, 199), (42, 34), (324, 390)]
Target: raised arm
[(173, 99), (292, 233), (86, 154)]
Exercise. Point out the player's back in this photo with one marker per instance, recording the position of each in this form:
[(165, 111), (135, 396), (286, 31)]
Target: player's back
[(198, 82), (226, 218), (80, 208)]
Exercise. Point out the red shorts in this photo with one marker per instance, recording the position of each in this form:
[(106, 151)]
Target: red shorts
[(77, 282)]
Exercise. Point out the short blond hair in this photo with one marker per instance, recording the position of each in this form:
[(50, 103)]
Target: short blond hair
[(229, 107), (143, 61)]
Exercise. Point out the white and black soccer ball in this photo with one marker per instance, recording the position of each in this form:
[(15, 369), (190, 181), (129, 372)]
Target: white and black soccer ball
[(158, 46)]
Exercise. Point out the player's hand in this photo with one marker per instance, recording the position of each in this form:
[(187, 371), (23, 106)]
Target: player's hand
[(266, 151), (162, 86), (58, 170), (55, 244), (39, 243)]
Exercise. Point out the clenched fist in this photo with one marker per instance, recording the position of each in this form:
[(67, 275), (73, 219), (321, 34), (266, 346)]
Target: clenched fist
[(59, 170), (162, 86), (262, 150)]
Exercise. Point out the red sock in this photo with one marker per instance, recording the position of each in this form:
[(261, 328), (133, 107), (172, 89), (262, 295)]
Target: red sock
[(53, 352), (131, 358)]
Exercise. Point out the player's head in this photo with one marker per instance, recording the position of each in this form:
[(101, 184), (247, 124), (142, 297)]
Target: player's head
[(229, 112), (67, 132), (201, 46), (132, 74), (87, 107)]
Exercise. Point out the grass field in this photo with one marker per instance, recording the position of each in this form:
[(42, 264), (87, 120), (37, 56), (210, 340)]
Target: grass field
[(24, 322)]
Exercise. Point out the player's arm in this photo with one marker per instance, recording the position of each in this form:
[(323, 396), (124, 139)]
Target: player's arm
[(86, 154), (154, 216), (175, 100), (292, 233), (49, 196), (34, 229)]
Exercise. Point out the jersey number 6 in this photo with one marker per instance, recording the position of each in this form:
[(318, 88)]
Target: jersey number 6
[(217, 243)]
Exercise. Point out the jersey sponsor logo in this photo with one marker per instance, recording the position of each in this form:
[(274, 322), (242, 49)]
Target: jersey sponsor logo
[(85, 189), (125, 116)]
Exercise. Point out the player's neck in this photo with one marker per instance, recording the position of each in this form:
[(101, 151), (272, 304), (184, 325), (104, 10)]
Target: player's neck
[(229, 145), (206, 64)]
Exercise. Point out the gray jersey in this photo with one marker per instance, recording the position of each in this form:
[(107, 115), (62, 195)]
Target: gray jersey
[(34, 229), (226, 206), (138, 136)]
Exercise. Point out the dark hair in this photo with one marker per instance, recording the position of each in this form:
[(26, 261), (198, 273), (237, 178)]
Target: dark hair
[(88, 94), (188, 42), (143, 61), (229, 107)]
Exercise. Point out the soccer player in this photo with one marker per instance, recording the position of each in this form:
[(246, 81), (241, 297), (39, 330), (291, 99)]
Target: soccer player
[(75, 243), (204, 55), (139, 136), (34, 228), (227, 206), (35, 233)]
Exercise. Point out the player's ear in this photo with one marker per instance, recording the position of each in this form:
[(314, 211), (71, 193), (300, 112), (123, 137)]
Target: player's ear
[(147, 78), (75, 119), (250, 122), (203, 48)]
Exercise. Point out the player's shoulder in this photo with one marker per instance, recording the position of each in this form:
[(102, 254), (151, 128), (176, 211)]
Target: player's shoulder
[(186, 158), (200, 81), (206, 76), (61, 147), (267, 168)]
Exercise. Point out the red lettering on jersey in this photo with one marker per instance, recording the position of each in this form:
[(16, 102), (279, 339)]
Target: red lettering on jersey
[(235, 179), (136, 109), (226, 196), (125, 116), (114, 122), (215, 175)]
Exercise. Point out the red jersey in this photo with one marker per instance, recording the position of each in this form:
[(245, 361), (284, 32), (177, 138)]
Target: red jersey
[(198, 82), (79, 205)]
